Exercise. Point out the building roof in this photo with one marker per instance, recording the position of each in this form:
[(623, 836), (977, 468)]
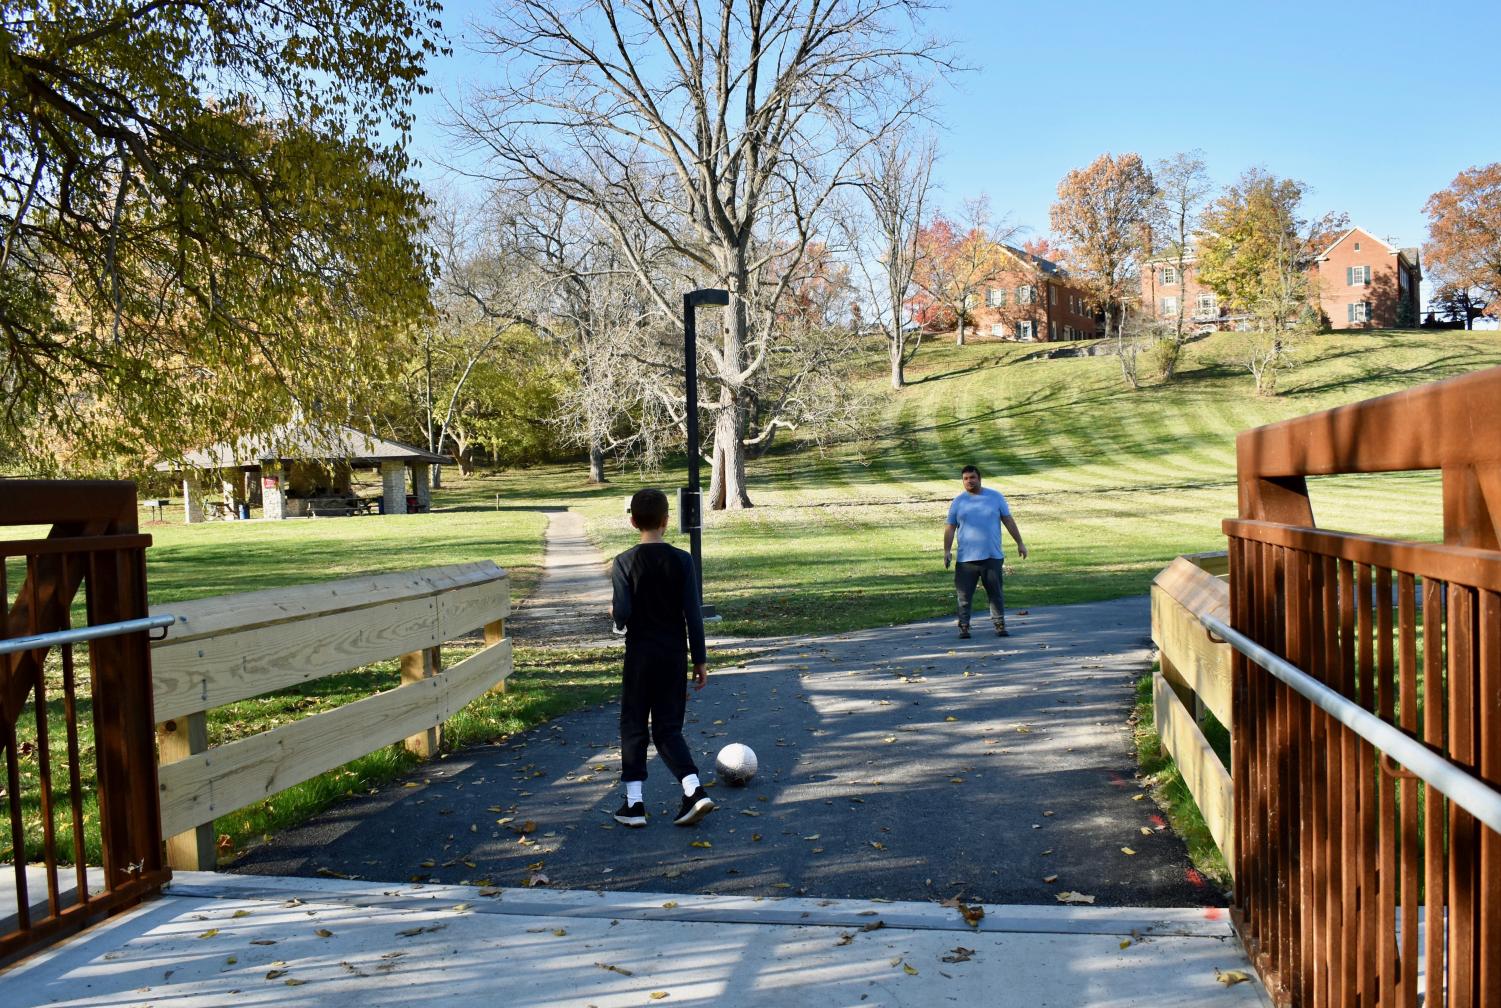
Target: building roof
[(1037, 262), (302, 442)]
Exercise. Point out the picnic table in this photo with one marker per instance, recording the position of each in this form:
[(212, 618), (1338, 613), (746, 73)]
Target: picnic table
[(339, 505)]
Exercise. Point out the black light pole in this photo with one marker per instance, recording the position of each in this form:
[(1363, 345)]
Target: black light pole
[(690, 506)]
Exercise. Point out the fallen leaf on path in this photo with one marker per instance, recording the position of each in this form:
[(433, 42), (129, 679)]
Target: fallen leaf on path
[(1127, 850), (878, 845), (658, 995), (873, 926), (559, 932), (330, 873), (263, 941), (240, 913), (275, 974), (701, 843), (1146, 831), (1137, 797), (324, 933), (670, 905), (614, 969), (1231, 977), (532, 881), (1073, 897), (209, 933), (845, 939), (909, 970), (1125, 943), (813, 837), (959, 954), (293, 982), (951, 718), (1050, 878)]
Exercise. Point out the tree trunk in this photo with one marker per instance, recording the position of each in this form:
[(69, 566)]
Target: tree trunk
[(959, 332), (727, 482), (898, 378), (437, 477), (596, 461)]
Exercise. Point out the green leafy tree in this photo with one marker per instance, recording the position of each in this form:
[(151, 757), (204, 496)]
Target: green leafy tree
[(205, 218)]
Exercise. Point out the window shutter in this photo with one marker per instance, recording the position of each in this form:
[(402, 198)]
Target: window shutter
[(1367, 276), (1349, 276), (1349, 313)]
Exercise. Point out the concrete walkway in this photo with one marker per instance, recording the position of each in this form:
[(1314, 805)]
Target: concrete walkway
[(217, 940)]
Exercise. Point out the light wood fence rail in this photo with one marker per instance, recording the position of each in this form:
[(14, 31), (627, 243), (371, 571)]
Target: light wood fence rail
[(234, 647), (1194, 677)]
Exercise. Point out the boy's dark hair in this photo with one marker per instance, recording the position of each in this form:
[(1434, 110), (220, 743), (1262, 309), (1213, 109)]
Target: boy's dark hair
[(648, 508), (970, 469)]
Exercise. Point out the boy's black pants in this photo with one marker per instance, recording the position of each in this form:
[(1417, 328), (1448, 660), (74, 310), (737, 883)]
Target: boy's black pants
[(655, 689)]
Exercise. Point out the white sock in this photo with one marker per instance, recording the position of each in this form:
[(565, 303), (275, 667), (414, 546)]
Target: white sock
[(690, 784), (632, 792)]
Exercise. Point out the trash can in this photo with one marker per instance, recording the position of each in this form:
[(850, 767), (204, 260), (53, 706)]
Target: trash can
[(380, 505), (244, 511)]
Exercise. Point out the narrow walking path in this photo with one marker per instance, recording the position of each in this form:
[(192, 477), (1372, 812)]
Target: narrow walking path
[(571, 603), (896, 762)]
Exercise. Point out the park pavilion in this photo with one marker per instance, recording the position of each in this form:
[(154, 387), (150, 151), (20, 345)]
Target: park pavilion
[(299, 471)]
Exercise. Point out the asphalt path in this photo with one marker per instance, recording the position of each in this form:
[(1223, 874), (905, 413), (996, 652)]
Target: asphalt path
[(896, 763)]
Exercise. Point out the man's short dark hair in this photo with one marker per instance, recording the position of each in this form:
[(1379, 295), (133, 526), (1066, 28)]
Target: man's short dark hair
[(648, 508), (969, 469)]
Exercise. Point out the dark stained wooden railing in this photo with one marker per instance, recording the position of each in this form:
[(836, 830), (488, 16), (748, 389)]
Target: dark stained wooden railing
[(1352, 876), (93, 555)]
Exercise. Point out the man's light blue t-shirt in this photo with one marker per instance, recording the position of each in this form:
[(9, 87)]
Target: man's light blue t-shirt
[(978, 517)]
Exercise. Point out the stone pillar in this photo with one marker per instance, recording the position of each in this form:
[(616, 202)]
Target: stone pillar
[(420, 486), (393, 483), (192, 502), (273, 491)]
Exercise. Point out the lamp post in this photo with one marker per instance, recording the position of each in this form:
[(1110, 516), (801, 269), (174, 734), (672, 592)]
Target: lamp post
[(690, 502)]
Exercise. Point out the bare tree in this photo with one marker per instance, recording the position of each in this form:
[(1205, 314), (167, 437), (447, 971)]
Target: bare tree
[(724, 126), (1182, 184), (895, 180)]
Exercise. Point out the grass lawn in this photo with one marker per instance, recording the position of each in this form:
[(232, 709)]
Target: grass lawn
[(1108, 485)]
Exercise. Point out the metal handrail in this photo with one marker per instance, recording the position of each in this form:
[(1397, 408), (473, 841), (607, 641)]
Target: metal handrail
[(88, 633), (1469, 792)]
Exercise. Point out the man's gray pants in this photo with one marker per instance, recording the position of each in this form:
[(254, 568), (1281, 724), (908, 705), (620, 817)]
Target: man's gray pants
[(968, 573)]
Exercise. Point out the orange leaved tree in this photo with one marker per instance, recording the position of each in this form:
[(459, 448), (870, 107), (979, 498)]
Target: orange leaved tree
[(1464, 234)]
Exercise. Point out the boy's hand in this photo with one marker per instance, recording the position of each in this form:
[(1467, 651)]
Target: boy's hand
[(948, 558), (700, 676)]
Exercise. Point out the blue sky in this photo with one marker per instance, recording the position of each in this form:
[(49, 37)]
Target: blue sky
[(1375, 105)]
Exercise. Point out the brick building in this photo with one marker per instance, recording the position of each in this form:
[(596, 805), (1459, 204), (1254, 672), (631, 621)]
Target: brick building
[(1359, 282), (1364, 283), (1034, 300)]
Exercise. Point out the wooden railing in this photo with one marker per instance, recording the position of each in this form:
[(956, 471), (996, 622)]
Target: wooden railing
[(1193, 680), (91, 554), (230, 648), (1348, 868)]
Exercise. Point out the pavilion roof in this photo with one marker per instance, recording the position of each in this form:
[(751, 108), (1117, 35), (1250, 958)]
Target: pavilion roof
[(302, 443)]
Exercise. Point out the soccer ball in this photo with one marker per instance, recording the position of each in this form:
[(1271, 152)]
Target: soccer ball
[(736, 764)]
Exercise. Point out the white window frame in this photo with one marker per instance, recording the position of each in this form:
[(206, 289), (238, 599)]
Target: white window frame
[(998, 330), (1025, 330), (1206, 305), (1170, 306), (1170, 276), (1026, 294), (995, 297)]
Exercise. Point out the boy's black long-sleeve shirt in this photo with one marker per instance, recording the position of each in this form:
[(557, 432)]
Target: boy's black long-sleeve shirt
[(656, 602)]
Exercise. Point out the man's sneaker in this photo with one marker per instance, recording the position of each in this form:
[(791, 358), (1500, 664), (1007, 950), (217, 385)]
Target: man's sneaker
[(1001, 631), (631, 815), (964, 631), (695, 807)]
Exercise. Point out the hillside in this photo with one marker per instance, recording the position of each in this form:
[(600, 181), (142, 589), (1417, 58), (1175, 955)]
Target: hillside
[(1107, 484)]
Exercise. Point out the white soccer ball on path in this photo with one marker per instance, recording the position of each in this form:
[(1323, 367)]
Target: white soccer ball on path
[(736, 764)]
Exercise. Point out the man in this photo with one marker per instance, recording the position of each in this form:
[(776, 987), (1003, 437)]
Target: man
[(977, 515)]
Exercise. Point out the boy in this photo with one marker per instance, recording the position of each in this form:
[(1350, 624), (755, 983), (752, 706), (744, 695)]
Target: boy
[(656, 604)]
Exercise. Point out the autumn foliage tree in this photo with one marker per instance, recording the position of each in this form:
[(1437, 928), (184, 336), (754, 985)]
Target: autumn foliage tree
[(205, 218), (1464, 234), (1099, 218), (956, 264)]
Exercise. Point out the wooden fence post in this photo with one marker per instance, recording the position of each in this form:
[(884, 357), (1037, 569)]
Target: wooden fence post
[(415, 667), (494, 633), (197, 848)]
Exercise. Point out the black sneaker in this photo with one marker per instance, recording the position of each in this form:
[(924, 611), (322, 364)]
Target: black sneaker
[(631, 815), (964, 631), (1001, 631), (695, 807)]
